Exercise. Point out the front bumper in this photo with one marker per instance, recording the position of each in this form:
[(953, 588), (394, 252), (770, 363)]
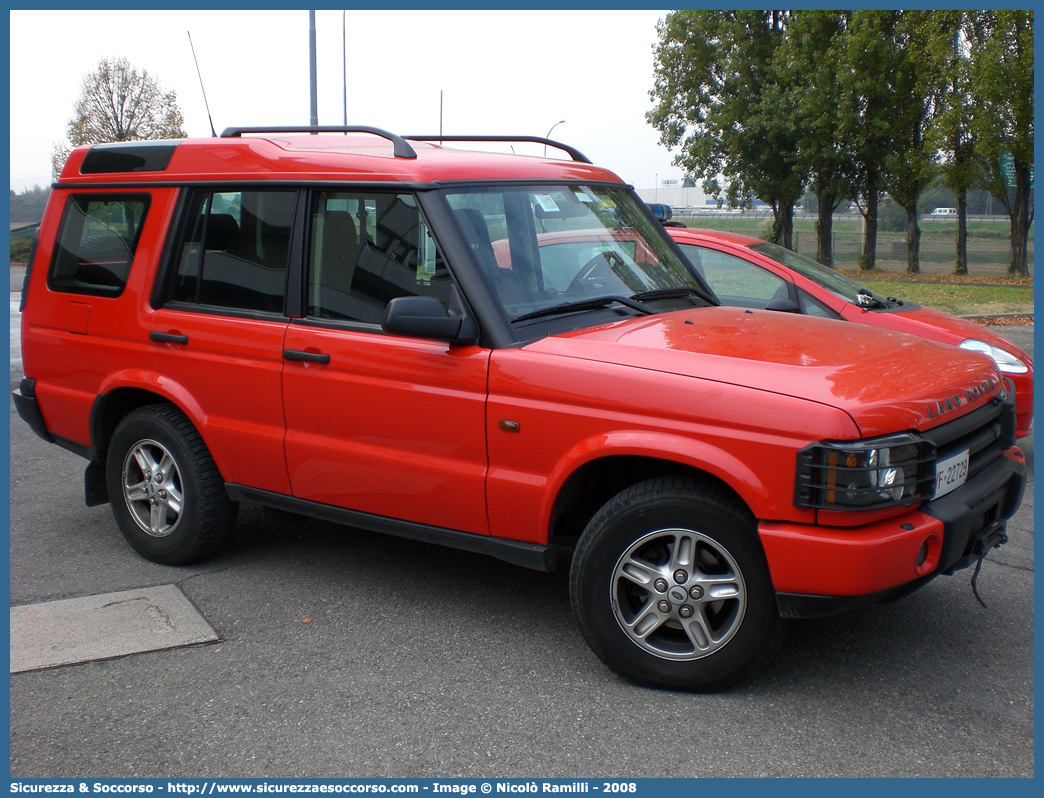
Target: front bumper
[(817, 571)]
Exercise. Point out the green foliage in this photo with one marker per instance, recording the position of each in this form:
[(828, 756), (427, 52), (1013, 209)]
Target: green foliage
[(891, 218), (808, 61), (721, 102), (1002, 76), (952, 133), (855, 105), (922, 41), (20, 249), (1002, 82), (868, 61)]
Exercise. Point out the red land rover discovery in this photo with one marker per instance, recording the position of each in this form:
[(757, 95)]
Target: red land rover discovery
[(372, 329)]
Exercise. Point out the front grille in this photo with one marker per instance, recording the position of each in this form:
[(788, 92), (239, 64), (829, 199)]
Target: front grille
[(986, 433)]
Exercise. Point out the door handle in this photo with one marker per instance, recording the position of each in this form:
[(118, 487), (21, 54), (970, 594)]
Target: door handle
[(306, 357), (167, 338)]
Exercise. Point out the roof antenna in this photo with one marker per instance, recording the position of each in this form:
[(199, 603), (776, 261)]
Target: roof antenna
[(205, 103)]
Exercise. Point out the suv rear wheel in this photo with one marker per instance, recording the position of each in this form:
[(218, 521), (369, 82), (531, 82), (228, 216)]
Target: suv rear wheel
[(166, 492), (671, 588)]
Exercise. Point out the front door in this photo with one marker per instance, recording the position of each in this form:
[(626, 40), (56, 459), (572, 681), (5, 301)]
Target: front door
[(377, 423)]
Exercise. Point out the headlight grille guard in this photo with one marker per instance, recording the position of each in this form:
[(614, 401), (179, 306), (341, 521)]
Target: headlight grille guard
[(870, 474)]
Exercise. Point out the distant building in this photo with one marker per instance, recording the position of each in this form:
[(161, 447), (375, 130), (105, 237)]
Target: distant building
[(671, 192)]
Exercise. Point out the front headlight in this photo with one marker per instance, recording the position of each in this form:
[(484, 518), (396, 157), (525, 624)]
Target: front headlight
[(864, 475), (1005, 360)]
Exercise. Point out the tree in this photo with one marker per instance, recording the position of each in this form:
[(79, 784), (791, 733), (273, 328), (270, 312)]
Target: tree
[(808, 61), (867, 68), (952, 133), (917, 83), (720, 99), (1002, 85), (119, 103)]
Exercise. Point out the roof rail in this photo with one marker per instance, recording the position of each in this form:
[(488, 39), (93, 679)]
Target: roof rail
[(402, 148), (574, 153)]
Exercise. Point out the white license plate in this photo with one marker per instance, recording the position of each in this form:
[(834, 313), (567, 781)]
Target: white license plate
[(950, 473)]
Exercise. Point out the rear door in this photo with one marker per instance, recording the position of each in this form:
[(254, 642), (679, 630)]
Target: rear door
[(217, 337)]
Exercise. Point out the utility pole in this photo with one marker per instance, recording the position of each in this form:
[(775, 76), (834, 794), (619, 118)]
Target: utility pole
[(344, 62), (311, 54)]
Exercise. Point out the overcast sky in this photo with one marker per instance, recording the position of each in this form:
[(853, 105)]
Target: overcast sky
[(499, 72)]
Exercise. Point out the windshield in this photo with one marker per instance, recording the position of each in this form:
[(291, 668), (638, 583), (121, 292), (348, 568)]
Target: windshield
[(569, 249), (831, 280)]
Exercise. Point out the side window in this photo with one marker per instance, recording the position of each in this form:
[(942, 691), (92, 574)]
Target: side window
[(96, 243), (813, 307), (734, 280), (368, 248), (234, 249)]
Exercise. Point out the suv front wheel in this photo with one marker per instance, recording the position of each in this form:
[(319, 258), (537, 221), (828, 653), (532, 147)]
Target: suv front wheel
[(671, 588), (167, 494)]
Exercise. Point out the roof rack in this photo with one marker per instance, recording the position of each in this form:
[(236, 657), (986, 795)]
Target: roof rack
[(402, 149), (574, 153)]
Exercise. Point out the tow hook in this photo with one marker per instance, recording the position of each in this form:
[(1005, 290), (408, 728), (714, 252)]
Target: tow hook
[(992, 537)]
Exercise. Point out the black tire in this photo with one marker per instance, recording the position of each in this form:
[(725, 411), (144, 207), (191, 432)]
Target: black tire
[(166, 493), (670, 586)]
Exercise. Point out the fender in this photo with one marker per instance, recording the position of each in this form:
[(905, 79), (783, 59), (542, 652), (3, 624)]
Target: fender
[(147, 382), (524, 503), (691, 452)]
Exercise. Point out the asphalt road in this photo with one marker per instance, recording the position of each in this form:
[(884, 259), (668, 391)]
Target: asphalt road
[(427, 662)]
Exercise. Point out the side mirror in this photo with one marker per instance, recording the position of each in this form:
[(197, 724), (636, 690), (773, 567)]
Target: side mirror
[(419, 317), (784, 305), (425, 317)]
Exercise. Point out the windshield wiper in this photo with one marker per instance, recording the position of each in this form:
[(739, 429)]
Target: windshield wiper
[(669, 293), (583, 304)]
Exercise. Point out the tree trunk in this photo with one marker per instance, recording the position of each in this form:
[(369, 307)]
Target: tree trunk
[(783, 224), (1020, 222), (825, 229), (913, 241), (787, 215), (868, 258), (962, 233)]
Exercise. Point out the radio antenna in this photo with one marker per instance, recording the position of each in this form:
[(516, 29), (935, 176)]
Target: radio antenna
[(205, 103)]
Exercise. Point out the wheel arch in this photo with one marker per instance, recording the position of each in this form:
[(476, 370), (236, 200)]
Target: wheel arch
[(119, 398), (589, 479)]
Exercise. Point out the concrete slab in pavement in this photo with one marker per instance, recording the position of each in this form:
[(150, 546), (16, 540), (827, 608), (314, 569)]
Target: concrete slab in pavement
[(104, 626)]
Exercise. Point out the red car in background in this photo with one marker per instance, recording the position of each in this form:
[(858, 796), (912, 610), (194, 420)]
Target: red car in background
[(749, 272)]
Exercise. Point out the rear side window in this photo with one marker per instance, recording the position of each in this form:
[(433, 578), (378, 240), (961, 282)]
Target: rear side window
[(96, 243), (234, 250)]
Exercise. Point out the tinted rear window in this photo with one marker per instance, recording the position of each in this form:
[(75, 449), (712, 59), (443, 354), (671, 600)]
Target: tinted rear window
[(96, 243)]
